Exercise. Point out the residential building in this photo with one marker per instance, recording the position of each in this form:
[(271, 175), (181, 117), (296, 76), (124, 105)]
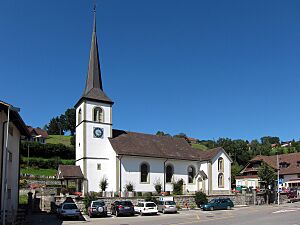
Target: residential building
[(140, 159), (38, 135), (289, 170), (16, 129)]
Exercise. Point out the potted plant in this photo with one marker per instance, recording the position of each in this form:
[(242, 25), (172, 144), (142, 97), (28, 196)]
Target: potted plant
[(158, 187), (103, 185), (129, 188)]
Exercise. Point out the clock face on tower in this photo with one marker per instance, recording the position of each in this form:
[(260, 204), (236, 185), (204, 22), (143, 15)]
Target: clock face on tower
[(98, 132)]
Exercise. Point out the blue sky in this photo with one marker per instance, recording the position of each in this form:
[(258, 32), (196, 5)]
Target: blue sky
[(209, 69)]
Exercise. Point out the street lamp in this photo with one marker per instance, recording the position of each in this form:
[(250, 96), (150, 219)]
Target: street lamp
[(28, 150), (4, 162)]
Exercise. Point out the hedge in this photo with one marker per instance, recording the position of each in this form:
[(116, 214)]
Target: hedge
[(47, 150), (45, 163)]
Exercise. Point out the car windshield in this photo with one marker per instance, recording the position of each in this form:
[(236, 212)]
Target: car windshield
[(151, 204), (98, 203), (170, 203), (126, 203), (70, 206), (212, 201)]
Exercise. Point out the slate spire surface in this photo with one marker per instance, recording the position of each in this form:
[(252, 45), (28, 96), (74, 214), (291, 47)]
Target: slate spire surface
[(93, 87)]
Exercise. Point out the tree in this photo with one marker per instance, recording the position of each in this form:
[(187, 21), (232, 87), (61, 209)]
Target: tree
[(266, 174), (55, 127), (161, 133), (235, 171), (270, 140), (70, 118)]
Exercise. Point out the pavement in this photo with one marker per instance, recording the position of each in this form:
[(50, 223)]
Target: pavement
[(287, 214)]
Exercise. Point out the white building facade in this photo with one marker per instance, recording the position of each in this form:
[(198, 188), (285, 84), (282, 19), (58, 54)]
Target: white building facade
[(16, 129), (142, 160)]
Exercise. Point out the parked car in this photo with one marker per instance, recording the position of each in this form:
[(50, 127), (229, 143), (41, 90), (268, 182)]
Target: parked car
[(146, 208), (69, 210), (122, 208), (97, 208), (167, 206), (218, 203), (292, 194)]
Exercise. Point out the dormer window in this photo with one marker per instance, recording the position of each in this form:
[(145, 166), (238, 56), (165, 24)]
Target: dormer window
[(283, 165), (98, 114)]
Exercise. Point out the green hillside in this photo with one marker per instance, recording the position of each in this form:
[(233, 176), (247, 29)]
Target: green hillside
[(200, 147), (59, 139)]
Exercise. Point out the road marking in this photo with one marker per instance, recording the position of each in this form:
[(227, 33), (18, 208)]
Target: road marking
[(285, 210)]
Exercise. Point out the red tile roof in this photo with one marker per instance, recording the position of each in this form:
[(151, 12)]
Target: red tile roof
[(38, 131), (292, 159), (69, 172), (148, 145)]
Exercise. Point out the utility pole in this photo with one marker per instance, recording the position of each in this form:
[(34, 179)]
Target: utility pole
[(278, 194)]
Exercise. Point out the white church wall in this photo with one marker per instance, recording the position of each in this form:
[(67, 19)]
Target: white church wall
[(204, 167), (130, 172), (227, 172), (98, 168)]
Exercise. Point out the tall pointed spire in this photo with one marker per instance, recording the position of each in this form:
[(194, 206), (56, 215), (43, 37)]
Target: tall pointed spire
[(93, 88)]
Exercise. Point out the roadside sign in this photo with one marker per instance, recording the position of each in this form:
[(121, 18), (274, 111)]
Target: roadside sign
[(166, 198), (280, 181)]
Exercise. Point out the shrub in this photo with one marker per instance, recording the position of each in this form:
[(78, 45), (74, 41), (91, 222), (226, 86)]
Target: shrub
[(129, 187), (177, 187), (47, 150), (200, 198), (158, 187), (91, 196), (148, 197), (103, 184)]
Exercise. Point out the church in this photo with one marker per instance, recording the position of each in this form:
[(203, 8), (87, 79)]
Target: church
[(142, 160)]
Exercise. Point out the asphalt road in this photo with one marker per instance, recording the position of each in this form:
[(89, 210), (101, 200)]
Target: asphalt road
[(288, 214)]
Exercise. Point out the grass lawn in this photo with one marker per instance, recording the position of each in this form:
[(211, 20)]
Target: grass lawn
[(39, 172), (59, 139), (23, 199), (200, 147)]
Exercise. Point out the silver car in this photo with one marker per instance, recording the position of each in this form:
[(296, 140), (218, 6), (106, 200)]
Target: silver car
[(167, 206), (69, 210)]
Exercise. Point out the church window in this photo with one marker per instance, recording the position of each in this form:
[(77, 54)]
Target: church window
[(191, 174), (99, 166), (169, 173), (144, 173), (98, 114), (221, 180), (221, 164), (79, 116)]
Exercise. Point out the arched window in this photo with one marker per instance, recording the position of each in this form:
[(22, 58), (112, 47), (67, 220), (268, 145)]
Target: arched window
[(144, 173), (79, 116), (169, 173), (191, 174), (221, 180), (98, 114), (221, 164)]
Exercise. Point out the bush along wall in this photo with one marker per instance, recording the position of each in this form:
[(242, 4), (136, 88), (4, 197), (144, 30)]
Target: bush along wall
[(45, 163), (47, 150)]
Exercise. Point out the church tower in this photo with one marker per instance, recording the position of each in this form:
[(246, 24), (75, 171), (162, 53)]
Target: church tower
[(93, 122)]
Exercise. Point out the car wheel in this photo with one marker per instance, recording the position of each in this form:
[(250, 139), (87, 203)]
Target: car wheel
[(132, 214), (228, 207), (211, 208)]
